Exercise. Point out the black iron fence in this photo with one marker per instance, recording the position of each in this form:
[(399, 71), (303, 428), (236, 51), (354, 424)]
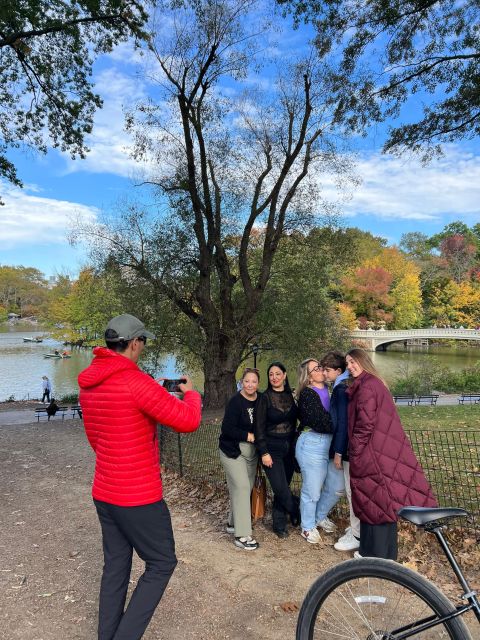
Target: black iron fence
[(450, 459)]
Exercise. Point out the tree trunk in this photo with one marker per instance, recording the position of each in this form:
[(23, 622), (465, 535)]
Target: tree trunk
[(219, 388), (220, 364)]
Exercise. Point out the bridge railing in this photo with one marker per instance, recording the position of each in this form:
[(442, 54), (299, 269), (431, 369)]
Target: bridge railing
[(421, 333)]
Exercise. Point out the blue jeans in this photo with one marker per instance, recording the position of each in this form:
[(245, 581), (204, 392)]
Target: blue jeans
[(333, 489), (312, 456)]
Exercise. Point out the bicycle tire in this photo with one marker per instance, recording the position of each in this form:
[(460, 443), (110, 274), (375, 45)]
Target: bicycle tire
[(371, 599)]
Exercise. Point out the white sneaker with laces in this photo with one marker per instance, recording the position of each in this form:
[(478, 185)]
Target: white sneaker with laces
[(311, 536), (327, 525), (348, 542)]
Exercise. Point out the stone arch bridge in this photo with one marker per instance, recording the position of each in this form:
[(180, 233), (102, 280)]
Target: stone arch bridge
[(378, 340)]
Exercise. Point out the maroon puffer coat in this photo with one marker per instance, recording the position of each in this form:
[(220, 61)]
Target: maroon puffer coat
[(385, 475), (121, 408)]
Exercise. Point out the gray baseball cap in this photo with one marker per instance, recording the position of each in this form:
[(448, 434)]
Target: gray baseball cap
[(126, 327)]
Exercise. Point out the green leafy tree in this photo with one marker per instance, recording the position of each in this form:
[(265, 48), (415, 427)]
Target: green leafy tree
[(47, 48), (23, 290), (235, 166), (88, 306), (391, 50), (298, 315)]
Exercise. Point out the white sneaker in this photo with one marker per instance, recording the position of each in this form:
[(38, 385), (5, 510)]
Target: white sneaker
[(357, 556), (327, 525), (348, 542), (230, 528), (311, 536)]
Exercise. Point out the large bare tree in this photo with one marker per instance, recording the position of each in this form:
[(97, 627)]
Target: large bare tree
[(234, 170)]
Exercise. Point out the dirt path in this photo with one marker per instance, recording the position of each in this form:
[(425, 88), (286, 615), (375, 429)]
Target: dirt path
[(50, 554)]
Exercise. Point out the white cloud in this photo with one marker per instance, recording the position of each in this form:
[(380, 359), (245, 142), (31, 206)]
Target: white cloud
[(31, 219), (109, 143), (396, 188)]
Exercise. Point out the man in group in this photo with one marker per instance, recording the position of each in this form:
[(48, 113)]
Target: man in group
[(121, 408), (334, 366)]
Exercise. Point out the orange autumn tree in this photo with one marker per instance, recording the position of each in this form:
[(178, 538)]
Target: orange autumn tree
[(385, 289), (366, 290)]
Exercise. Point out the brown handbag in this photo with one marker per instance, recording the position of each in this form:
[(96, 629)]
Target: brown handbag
[(259, 494)]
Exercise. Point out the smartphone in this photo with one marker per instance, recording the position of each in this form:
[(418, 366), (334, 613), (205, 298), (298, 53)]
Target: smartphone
[(172, 385)]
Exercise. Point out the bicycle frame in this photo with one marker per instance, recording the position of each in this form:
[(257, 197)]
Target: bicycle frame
[(468, 594)]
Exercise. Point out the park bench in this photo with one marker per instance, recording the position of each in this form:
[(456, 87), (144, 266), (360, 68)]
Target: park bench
[(76, 410), (469, 397), (41, 412), (409, 400), (431, 400)]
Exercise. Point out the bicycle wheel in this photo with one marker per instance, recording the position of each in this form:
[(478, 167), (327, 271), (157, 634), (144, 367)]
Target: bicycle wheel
[(375, 599)]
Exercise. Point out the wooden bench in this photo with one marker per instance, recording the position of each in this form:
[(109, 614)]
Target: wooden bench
[(431, 400), (76, 411), (469, 397), (409, 400), (41, 412)]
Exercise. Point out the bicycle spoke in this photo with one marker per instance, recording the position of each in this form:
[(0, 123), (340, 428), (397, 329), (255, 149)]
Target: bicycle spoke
[(371, 609)]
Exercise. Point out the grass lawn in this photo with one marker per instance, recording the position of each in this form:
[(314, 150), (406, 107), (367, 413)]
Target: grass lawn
[(461, 417)]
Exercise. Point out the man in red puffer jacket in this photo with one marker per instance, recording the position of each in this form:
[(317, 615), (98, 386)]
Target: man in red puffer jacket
[(121, 408)]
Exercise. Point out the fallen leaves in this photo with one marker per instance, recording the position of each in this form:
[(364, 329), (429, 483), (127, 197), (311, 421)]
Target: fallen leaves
[(289, 607)]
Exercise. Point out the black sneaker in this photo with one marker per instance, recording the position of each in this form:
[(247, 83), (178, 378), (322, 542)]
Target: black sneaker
[(248, 543)]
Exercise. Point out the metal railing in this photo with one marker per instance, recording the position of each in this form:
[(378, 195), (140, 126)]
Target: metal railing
[(450, 459)]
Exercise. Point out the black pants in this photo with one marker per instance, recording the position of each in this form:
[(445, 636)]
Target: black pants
[(378, 540), (280, 475), (46, 394), (148, 530)]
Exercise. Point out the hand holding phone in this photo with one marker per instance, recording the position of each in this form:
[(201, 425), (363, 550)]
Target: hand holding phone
[(173, 385)]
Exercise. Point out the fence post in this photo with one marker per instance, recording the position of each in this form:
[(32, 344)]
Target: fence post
[(180, 457)]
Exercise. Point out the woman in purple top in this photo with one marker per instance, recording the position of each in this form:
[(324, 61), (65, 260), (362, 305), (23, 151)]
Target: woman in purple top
[(312, 450)]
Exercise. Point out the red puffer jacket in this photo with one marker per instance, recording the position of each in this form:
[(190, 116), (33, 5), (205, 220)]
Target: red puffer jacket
[(385, 475), (121, 407)]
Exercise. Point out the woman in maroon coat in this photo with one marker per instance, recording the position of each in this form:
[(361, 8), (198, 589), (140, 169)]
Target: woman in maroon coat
[(384, 472)]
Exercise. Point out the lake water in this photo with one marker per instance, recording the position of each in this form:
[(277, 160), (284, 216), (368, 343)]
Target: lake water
[(22, 364)]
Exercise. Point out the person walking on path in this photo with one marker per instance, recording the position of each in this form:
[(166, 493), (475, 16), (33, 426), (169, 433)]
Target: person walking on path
[(121, 407), (274, 438), (385, 475), (47, 388), (238, 456)]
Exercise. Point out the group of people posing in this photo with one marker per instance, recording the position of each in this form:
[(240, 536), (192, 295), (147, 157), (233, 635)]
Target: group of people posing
[(345, 441)]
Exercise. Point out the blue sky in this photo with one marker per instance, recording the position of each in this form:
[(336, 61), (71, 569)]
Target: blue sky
[(396, 195)]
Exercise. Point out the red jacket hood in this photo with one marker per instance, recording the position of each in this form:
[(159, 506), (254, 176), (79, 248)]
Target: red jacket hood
[(105, 364)]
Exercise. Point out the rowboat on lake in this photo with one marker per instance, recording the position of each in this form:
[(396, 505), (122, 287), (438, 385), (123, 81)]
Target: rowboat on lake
[(59, 356), (33, 339)]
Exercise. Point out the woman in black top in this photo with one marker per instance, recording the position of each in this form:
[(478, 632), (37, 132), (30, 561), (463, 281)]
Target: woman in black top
[(238, 456), (274, 437)]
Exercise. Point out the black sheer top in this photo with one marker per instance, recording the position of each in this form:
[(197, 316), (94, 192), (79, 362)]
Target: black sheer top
[(276, 419)]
